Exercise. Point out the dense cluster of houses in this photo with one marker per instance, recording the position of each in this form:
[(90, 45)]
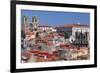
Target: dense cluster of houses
[(46, 43)]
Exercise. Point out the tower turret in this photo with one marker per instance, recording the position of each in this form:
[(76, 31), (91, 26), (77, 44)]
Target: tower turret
[(35, 22)]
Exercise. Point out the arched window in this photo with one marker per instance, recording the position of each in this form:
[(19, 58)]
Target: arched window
[(34, 19)]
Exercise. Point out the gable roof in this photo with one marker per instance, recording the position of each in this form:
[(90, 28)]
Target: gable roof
[(74, 25)]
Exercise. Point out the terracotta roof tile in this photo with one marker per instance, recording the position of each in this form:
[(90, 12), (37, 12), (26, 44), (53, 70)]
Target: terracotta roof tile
[(74, 25)]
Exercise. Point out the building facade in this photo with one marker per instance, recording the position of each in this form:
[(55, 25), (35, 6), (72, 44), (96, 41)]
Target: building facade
[(76, 33), (46, 28)]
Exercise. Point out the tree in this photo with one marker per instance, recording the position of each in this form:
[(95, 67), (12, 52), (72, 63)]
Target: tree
[(23, 34), (66, 35), (37, 34)]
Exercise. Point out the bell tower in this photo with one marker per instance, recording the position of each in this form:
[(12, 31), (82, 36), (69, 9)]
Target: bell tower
[(26, 23), (35, 22)]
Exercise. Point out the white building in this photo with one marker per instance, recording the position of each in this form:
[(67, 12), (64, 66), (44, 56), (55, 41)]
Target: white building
[(80, 28), (72, 31), (46, 28)]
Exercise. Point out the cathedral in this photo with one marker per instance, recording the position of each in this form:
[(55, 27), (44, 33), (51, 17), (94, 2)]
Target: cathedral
[(30, 26)]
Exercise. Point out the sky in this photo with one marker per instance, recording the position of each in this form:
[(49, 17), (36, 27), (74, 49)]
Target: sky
[(54, 18)]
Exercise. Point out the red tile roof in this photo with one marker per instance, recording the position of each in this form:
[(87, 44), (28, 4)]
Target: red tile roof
[(44, 26), (64, 45), (30, 33), (74, 25), (26, 54), (42, 53)]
